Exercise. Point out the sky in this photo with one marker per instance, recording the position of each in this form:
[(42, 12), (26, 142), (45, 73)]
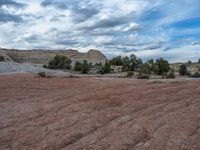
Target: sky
[(146, 28)]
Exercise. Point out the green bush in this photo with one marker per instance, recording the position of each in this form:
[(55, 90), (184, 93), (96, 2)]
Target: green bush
[(77, 66), (45, 66), (99, 64), (105, 69), (144, 72), (130, 74), (116, 61), (162, 66), (155, 69), (2, 58), (143, 76), (42, 74), (101, 71), (150, 63), (130, 63), (60, 62), (171, 74), (189, 63), (183, 70), (144, 69), (196, 75), (85, 67)]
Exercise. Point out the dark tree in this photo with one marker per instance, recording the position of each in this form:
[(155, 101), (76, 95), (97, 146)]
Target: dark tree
[(196, 75), (77, 66), (60, 62), (155, 69), (150, 63), (163, 66), (171, 74), (2, 58), (189, 62), (183, 70), (134, 62), (144, 69), (107, 67), (116, 61), (125, 63), (85, 67)]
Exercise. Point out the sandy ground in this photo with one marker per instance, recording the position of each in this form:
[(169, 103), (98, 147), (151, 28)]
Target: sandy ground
[(98, 114)]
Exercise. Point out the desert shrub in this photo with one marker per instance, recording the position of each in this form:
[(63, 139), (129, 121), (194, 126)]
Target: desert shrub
[(195, 75), (77, 66), (42, 74), (144, 72), (116, 61), (105, 69), (183, 70), (158, 67), (130, 63), (171, 74), (126, 64), (189, 62), (155, 69), (143, 76), (101, 71), (162, 66), (134, 63), (60, 62), (45, 66), (85, 67), (150, 63), (144, 69), (98, 64), (130, 74), (2, 58)]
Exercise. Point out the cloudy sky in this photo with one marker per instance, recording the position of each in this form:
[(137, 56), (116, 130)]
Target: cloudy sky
[(147, 28)]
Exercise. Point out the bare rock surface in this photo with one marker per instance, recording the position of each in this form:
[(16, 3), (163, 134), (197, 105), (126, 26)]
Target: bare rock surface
[(4, 54), (44, 56), (98, 114), (11, 67)]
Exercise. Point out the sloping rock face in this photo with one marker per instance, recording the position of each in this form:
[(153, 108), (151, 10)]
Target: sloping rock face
[(98, 114), (4, 54), (11, 68), (43, 56)]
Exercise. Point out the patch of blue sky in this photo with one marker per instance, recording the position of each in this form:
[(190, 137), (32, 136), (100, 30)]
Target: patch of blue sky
[(187, 23)]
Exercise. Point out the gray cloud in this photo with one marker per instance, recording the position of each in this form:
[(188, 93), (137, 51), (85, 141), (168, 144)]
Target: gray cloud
[(111, 21), (80, 11), (58, 4), (4, 18), (32, 39), (11, 3), (83, 14), (67, 42), (8, 17)]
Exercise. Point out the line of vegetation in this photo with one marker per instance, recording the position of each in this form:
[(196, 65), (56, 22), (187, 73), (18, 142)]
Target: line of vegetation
[(132, 65)]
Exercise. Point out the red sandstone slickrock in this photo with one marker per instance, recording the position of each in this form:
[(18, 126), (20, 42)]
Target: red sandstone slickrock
[(98, 114)]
